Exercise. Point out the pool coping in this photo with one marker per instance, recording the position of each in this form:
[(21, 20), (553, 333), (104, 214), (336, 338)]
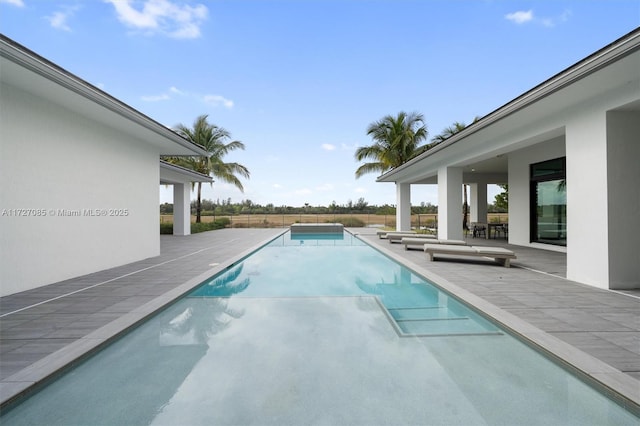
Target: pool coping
[(41, 372), (622, 388), (608, 380)]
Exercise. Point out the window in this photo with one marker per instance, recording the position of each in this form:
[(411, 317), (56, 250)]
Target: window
[(549, 202)]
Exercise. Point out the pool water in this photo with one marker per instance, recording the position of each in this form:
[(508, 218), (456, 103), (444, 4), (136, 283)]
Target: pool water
[(318, 331), (326, 265)]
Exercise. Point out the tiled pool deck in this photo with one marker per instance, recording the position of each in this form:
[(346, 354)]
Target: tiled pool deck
[(598, 331)]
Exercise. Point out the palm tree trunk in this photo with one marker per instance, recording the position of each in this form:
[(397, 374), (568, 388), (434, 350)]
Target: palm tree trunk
[(198, 203)]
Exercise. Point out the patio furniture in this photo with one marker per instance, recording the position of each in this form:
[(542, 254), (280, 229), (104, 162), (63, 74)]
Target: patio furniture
[(499, 254), (398, 236), (420, 242), (383, 234), (502, 230), (479, 230)]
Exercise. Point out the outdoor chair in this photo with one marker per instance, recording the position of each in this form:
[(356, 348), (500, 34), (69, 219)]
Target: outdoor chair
[(479, 230), (503, 229)]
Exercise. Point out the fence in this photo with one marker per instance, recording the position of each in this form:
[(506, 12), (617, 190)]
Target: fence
[(418, 221)]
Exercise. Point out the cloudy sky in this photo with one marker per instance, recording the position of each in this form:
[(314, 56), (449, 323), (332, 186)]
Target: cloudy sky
[(298, 81)]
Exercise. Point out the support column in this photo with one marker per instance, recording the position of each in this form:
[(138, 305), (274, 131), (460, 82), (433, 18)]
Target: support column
[(403, 207), (450, 203), (181, 209), (478, 202)]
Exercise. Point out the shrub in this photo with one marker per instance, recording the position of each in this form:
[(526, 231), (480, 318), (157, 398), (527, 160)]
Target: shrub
[(350, 221), (167, 228)]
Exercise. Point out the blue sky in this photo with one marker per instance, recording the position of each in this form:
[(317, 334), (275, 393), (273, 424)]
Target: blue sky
[(299, 81)]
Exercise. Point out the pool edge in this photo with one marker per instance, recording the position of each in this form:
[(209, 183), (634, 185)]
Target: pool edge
[(620, 387), (31, 378)]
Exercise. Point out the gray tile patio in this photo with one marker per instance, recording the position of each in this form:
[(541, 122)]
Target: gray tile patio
[(81, 313)]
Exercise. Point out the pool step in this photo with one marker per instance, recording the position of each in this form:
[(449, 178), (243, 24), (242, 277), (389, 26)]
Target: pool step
[(438, 321)]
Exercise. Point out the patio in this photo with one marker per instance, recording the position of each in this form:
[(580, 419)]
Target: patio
[(38, 327)]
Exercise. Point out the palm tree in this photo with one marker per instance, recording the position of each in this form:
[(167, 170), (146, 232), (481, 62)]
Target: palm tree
[(213, 139), (396, 140), (449, 131)]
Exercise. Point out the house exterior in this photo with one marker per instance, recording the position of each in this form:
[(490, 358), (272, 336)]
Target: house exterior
[(79, 172), (569, 149)]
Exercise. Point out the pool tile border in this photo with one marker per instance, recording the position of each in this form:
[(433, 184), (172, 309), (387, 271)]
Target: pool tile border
[(615, 384), (31, 378)]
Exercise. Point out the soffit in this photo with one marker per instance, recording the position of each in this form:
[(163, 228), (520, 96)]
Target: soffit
[(172, 174)]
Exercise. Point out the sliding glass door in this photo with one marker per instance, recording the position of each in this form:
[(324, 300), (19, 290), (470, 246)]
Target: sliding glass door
[(549, 202)]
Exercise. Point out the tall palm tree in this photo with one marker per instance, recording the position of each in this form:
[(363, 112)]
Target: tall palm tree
[(449, 131), (396, 140), (213, 139)]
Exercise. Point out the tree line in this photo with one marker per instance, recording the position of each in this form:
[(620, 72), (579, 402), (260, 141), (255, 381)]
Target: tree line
[(396, 140), (227, 207)]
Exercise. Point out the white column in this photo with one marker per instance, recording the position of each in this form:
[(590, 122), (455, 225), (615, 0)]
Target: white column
[(478, 202), (450, 203), (181, 209), (623, 174), (403, 208)]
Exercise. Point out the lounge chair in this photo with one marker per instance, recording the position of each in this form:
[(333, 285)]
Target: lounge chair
[(500, 254), (420, 242), (383, 234), (398, 236)]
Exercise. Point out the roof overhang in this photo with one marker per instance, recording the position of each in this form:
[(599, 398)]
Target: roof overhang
[(171, 174), (24, 69), (483, 145)]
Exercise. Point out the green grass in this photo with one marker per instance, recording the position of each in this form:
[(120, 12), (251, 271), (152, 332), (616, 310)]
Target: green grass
[(167, 228)]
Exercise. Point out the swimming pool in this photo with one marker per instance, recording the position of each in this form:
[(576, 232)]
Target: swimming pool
[(292, 335)]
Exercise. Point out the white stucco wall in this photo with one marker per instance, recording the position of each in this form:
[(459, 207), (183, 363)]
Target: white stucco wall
[(53, 160), (623, 206), (519, 203), (449, 203), (587, 231), (602, 176)]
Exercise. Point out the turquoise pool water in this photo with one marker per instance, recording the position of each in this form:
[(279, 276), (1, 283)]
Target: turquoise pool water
[(292, 335), (343, 265)]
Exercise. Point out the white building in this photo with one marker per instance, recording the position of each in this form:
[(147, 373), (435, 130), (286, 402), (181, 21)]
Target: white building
[(79, 172), (569, 149)]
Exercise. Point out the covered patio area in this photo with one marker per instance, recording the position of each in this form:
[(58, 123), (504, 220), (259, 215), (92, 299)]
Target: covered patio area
[(182, 180), (567, 149)]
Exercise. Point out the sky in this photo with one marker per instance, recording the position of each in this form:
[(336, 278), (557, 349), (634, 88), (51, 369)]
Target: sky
[(299, 81)]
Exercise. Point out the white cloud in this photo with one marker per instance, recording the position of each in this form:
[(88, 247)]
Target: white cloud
[(360, 190), (277, 186), (18, 3), (552, 22), (303, 191), (520, 17), (325, 187), (162, 16), (156, 98), (217, 100), (328, 147), (346, 147), (59, 20)]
